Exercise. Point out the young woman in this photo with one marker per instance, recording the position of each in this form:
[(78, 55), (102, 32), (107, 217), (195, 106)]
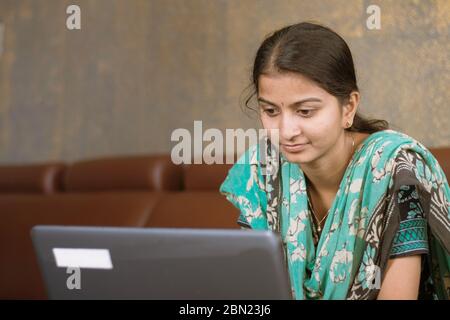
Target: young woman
[(363, 210)]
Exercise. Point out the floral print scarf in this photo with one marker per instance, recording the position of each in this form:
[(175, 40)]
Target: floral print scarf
[(352, 252)]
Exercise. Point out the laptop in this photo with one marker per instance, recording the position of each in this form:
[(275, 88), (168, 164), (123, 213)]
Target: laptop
[(161, 263)]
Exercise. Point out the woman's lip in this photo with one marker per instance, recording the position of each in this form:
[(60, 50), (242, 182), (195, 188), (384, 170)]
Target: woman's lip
[(294, 147)]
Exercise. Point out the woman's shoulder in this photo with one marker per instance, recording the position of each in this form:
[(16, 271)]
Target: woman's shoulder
[(408, 161), (412, 169), (397, 146)]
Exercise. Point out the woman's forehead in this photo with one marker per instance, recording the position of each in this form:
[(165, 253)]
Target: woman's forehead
[(287, 88)]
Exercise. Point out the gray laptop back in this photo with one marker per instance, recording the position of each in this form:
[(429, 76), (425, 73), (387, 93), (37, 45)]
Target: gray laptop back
[(160, 263)]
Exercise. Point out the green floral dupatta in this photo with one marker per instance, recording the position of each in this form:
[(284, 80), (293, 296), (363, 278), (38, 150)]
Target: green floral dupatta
[(355, 243)]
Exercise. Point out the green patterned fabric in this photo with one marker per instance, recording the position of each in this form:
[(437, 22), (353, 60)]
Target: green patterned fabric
[(364, 220), (411, 237)]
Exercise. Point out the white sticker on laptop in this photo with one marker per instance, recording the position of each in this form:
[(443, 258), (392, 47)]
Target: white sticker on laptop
[(83, 258)]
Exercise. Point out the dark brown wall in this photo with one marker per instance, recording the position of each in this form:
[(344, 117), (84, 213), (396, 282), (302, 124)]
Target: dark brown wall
[(139, 69)]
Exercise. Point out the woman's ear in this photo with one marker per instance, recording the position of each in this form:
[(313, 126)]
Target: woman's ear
[(351, 107)]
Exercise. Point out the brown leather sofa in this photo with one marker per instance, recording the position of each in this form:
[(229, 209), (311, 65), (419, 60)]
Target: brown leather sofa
[(132, 191), (143, 191)]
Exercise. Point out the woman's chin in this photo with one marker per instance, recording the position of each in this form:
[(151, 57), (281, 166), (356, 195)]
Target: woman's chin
[(295, 157)]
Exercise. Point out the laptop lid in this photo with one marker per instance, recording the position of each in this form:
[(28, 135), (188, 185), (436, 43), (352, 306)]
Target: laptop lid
[(160, 263)]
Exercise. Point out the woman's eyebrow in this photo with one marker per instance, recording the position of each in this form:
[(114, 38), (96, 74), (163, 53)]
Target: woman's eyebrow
[(297, 103)]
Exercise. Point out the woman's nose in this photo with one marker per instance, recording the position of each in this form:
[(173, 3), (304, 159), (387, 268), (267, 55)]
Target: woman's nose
[(288, 128)]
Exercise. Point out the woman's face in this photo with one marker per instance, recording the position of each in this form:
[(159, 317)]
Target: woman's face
[(303, 113)]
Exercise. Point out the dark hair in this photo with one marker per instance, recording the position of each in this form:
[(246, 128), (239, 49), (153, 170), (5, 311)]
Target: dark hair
[(317, 53)]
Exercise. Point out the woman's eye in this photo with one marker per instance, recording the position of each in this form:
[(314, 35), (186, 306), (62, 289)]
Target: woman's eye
[(270, 112), (305, 113)]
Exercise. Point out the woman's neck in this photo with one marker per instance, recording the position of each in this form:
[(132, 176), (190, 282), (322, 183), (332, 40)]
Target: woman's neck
[(325, 174)]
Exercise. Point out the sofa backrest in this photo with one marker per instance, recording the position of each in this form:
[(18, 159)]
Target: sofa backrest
[(204, 177), (151, 173), (32, 178), (121, 191), (199, 204)]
